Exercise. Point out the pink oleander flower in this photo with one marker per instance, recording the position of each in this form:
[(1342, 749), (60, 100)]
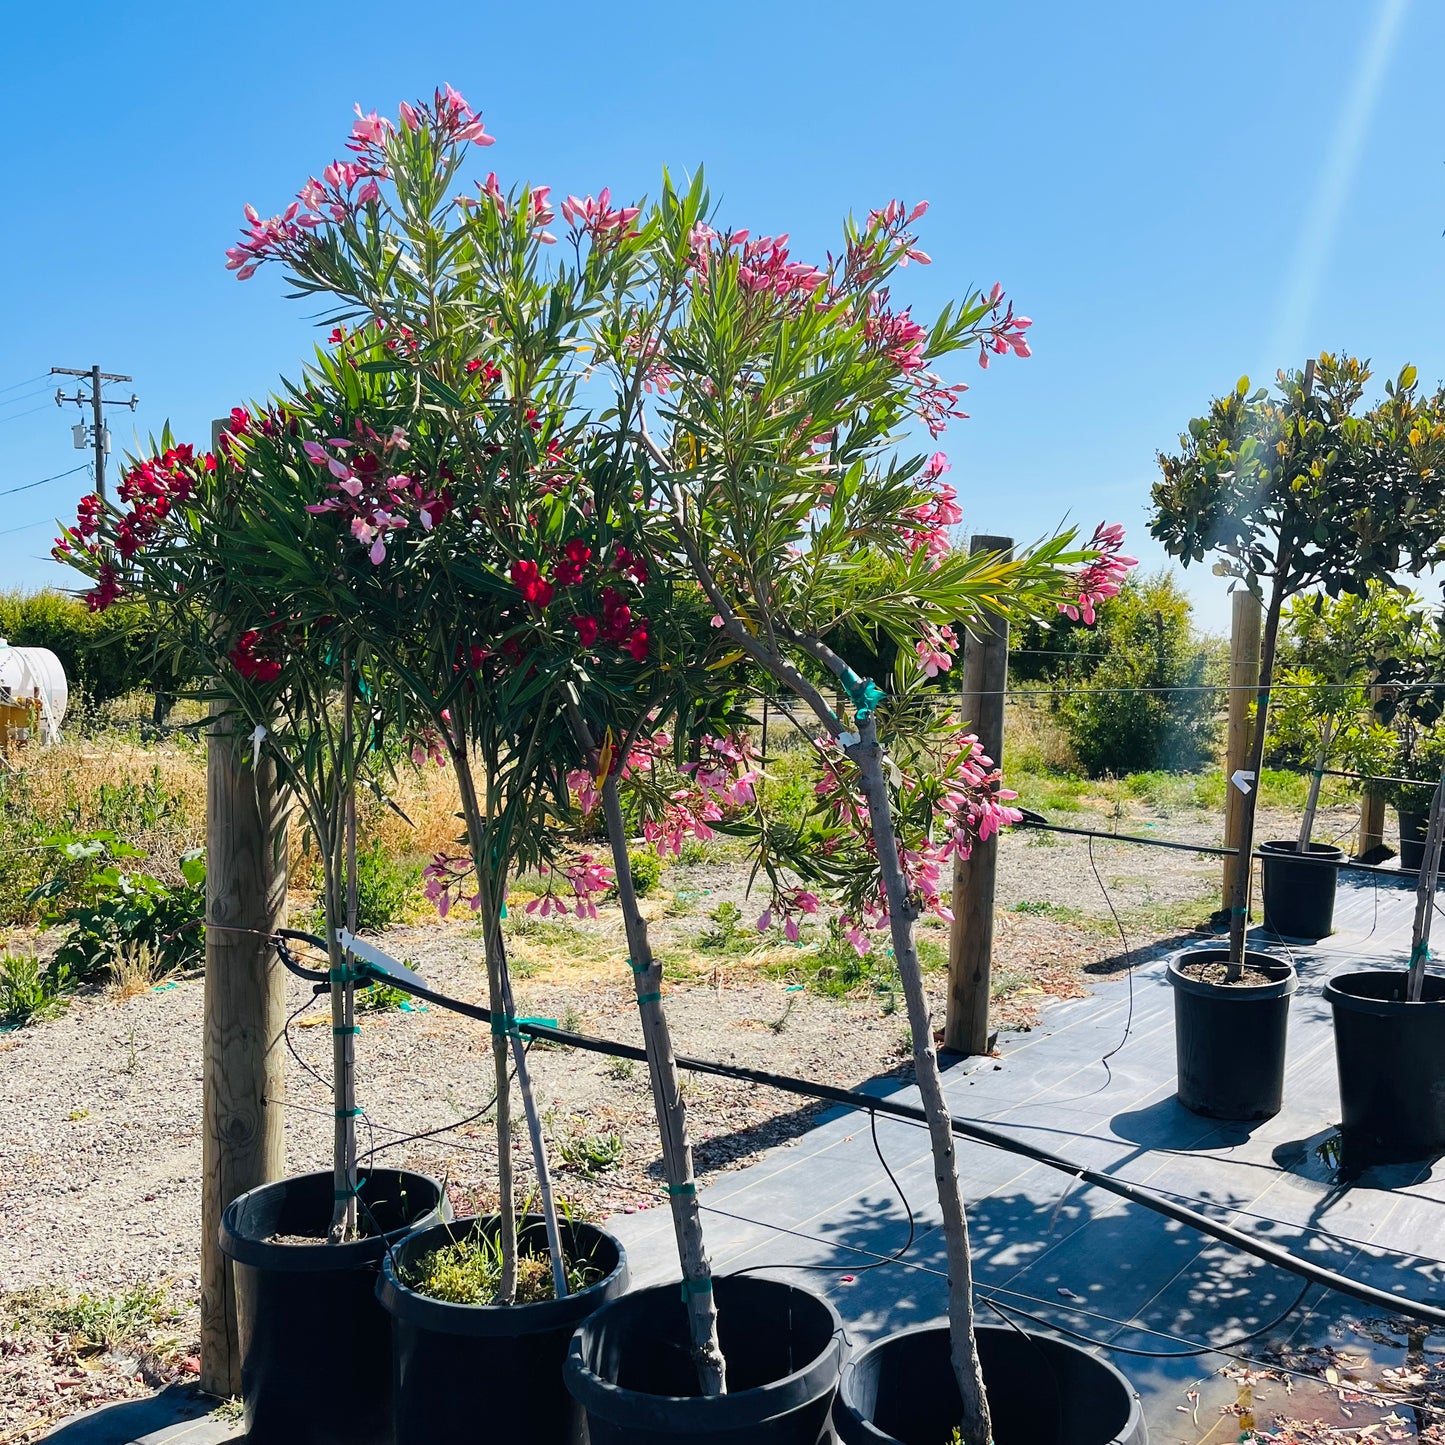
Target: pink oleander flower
[(935, 650), (1100, 579)]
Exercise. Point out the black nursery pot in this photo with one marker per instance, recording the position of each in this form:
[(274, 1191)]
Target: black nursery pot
[(1391, 1059), (901, 1391), (1230, 1042), (1413, 827), (315, 1344), (631, 1368), (476, 1374), (1299, 895)]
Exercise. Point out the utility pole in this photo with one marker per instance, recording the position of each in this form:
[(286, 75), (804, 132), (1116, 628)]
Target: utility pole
[(100, 434)]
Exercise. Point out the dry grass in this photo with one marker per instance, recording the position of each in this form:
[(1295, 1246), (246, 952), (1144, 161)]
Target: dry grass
[(135, 971)]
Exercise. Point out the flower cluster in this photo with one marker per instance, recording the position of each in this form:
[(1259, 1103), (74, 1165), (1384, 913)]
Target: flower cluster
[(258, 653), (374, 500), (596, 216), (1101, 578), (345, 186), (722, 781), (149, 490), (588, 880), (615, 624), (446, 878), (924, 526), (936, 648), (785, 907)]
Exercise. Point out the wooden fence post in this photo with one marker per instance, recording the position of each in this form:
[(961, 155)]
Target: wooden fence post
[(1243, 680), (245, 1010), (970, 943)]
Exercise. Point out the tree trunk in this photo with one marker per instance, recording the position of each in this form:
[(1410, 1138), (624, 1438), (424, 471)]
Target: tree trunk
[(671, 1111), (1312, 802), (1425, 896), (1243, 873), (976, 1428)]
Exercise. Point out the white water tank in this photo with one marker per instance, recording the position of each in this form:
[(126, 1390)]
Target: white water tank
[(22, 671)]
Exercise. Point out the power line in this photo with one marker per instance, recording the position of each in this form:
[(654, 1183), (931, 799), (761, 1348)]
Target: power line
[(16, 385), (10, 491), (19, 414), (28, 527), (24, 396)]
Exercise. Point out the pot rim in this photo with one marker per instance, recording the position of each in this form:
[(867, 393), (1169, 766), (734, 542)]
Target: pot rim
[(1389, 1007), (1284, 847), (1282, 985), (1010, 1331), (403, 1302), (685, 1413), (321, 1257)]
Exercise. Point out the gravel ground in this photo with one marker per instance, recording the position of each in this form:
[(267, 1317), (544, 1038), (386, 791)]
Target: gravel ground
[(100, 1109)]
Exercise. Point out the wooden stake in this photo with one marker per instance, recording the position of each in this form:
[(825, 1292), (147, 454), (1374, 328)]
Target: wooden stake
[(1312, 802), (1243, 676), (245, 1008), (970, 943), (1372, 813), (1425, 895)]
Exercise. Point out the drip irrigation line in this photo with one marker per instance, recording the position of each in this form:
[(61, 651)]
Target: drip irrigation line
[(896, 1108), (1128, 954)]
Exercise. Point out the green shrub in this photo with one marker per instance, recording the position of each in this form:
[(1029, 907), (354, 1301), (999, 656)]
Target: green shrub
[(386, 890), (107, 911), (646, 869), (1134, 691), (30, 992), (469, 1270)]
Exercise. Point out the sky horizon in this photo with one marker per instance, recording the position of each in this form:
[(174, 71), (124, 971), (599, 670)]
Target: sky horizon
[(1176, 199)]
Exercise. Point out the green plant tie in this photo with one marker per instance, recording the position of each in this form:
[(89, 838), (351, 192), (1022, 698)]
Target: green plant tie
[(503, 913), (1239, 912), (544, 1023), (504, 1026), (691, 1287), (347, 1029), (643, 998), (1421, 951), (638, 968), (346, 974), (863, 693), (347, 1113), (677, 1189)]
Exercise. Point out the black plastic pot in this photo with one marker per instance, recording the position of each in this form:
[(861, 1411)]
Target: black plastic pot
[(1413, 827), (1391, 1059), (1041, 1391), (448, 1358), (630, 1366), (315, 1344), (1230, 1042), (1299, 895)]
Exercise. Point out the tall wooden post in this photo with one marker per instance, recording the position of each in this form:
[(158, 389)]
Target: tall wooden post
[(245, 1011), (970, 944), (1243, 680)]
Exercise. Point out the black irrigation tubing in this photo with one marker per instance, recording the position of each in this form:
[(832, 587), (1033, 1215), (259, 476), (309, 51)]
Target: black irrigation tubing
[(963, 1128), (1340, 864)]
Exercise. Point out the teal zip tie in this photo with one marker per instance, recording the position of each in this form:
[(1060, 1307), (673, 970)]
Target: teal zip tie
[(1419, 951), (503, 1026), (503, 913), (544, 1023), (346, 974), (649, 998), (347, 1113), (347, 1029), (1239, 912), (639, 968), (677, 1189), (691, 1287)]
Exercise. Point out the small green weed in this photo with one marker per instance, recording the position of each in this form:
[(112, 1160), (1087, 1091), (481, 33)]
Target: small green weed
[(29, 992), (623, 1070), (592, 1153), (468, 1271), (98, 1323), (727, 934), (646, 869), (378, 997)]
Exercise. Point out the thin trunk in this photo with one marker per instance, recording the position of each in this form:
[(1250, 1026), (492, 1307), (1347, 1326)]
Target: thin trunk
[(1425, 895), (1243, 874), (1312, 802), (342, 871), (976, 1427), (534, 1126), (671, 1111), (497, 1005)]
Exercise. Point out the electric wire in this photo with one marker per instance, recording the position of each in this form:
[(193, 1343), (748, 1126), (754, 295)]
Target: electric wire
[(44, 406), (30, 486), (29, 381)]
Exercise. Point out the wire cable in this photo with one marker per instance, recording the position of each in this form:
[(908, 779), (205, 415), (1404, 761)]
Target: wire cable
[(30, 486), (44, 406), (1129, 966), (29, 381)]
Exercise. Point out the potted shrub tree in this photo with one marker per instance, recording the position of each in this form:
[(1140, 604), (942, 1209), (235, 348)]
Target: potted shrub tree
[(314, 1345), (773, 456), (1292, 492)]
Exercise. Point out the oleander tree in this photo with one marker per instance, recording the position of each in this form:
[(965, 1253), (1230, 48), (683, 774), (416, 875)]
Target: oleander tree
[(576, 592), (1300, 489)]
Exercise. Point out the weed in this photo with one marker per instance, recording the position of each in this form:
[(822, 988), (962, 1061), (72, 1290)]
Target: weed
[(623, 1070), (727, 934), (592, 1153), (1040, 908), (378, 997), (98, 1323), (646, 869), (836, 970), (694, 853), (230, 1412), (386, 889), (135, 969), (780, 1023), (468, 1271), (905, 1044), (29, 992)]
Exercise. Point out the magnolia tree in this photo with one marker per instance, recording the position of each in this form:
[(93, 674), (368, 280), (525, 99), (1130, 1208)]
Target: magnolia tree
[(1297, 491), (572, 595)]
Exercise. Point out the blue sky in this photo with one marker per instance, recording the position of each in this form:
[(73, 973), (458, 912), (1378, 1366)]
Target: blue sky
[(1177, 193)]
